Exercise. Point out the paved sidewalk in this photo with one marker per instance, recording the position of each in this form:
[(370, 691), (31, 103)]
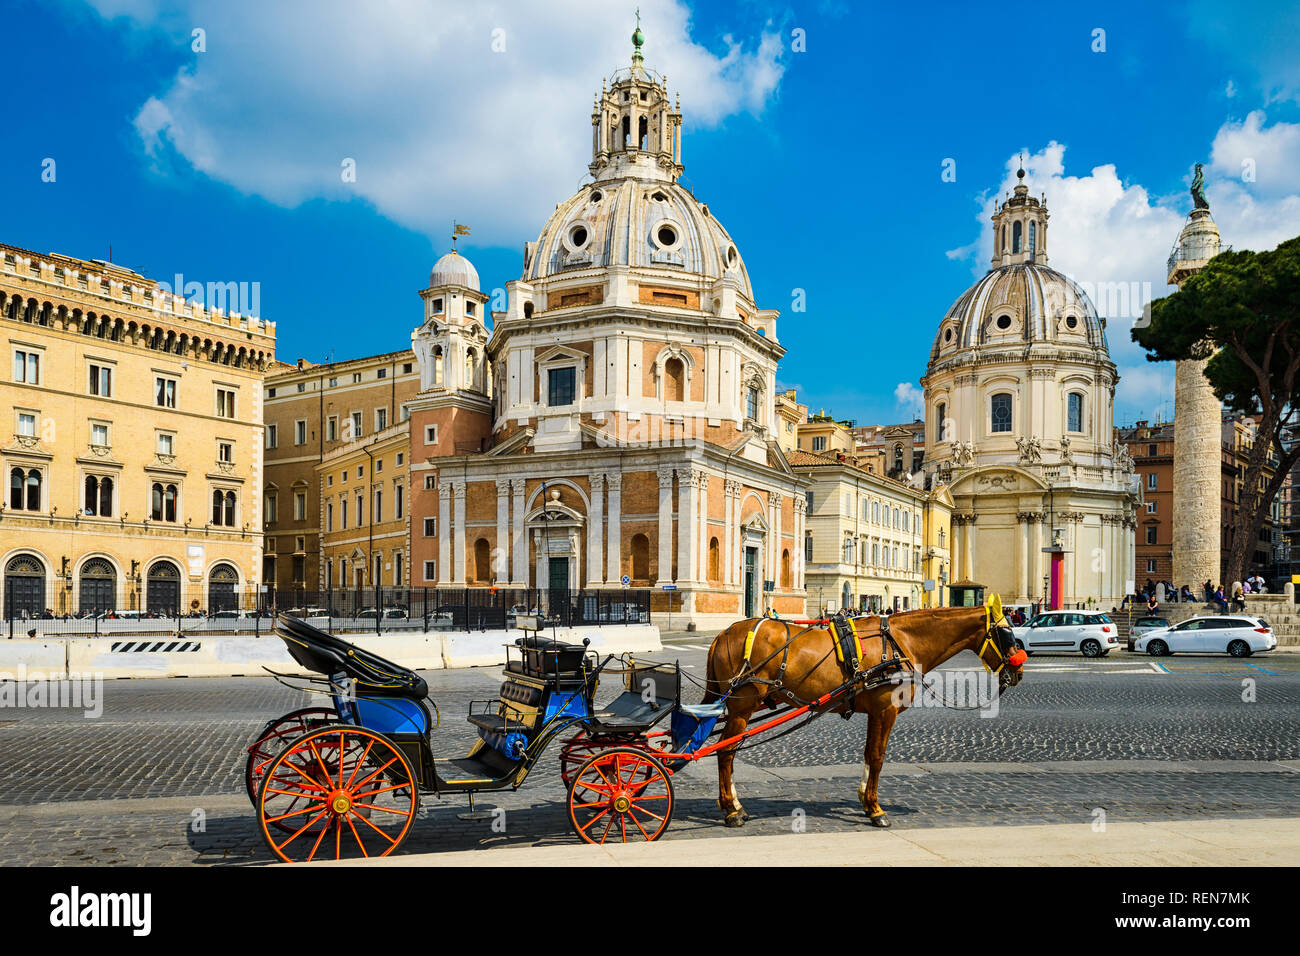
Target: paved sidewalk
[(1246, 842)]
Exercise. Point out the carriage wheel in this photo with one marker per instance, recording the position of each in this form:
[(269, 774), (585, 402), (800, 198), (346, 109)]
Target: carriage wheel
[(578, 749), (621, 796), (274, 737), (336, 792)]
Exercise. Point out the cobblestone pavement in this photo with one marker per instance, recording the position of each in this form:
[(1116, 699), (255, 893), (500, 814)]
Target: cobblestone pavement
[(1076, 736)]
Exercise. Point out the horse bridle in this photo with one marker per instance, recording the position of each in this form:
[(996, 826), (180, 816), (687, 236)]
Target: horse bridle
[(998, 653)]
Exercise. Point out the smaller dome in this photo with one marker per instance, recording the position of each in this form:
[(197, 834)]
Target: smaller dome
[(454, 269)]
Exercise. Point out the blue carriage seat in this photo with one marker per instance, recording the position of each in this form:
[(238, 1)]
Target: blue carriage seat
[(652, 691)]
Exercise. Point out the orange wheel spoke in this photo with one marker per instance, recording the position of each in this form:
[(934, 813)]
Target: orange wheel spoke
[(356, 836), (315, 846), (319, 759), (639, 827), (636, 806), (360, 762), (392, 840), (371, 793), (286, 816), (584, 827), (371, 806), (606, 791), (297, 833), (608, 824), (377, 772)]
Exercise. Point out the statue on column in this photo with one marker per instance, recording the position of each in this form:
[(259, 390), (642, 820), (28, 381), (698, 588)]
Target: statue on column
[(1198, 189)]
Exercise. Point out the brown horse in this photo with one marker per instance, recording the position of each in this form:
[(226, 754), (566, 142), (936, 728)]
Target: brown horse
[(926, 638)]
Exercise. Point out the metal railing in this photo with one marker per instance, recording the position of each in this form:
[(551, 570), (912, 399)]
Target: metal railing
[(381, 610)]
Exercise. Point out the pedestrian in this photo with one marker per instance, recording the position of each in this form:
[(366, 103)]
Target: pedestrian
[(1238, 597), (1220, 600), (1186, 594), (1152, 605), (1208, 588)]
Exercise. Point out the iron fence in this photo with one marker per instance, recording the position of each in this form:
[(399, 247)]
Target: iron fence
[(378, 610)]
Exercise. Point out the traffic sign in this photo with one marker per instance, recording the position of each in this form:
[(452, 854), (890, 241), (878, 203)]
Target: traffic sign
[(626, 580), (670, 587)]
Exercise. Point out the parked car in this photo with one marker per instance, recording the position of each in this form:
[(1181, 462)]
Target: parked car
[(1144, 624), (230, 614), (390, 613), (1237, 634), (1089, 632)]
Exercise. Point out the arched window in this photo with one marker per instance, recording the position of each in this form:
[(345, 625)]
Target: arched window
[(674, 381), (25, 489), (437, 365), (24, 593), (1000, 412), (1074, 412), (98, 584), (1033, 235), (751, 403), (715, 560), (1015, 237), (848, 550), (786, 576), (875, 512), (898, 457), (98, 500), (846, 596), (163, 588), (482, 561), (164, 502), (941, 413), (640, 558), (223, 508), (221, 588), (469, 369)]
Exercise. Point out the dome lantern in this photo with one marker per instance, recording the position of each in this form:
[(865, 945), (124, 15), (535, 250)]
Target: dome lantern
[(1020, 227)]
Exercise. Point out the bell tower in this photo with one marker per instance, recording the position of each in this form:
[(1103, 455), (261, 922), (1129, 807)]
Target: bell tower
[(1020, 228), (633, 124)]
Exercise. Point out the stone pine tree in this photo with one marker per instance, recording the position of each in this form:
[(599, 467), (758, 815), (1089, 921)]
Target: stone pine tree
[(1242, 312)]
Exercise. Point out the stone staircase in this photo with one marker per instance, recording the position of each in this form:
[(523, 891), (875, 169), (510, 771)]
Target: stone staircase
[(1279, 610)]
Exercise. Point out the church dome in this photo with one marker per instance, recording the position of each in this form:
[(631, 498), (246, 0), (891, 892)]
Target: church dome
[(645, 223), (454, 269), (1017, 304)]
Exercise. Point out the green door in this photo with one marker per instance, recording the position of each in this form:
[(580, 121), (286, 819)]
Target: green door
[(751, 582)]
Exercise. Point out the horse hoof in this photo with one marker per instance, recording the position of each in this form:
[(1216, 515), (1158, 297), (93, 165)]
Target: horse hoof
[(737, 818), (880, 820)]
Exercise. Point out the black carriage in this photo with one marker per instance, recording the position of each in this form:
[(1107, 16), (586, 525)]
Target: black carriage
[(346, 780)]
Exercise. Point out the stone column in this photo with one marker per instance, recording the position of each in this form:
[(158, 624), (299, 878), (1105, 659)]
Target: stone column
[(458, 547), (501, 560), (969, 521), (1024, 521), (800, 519), (1197, 488), (613, 572), (444, 532), (777, 501), (665, 527), (519, 544), (687, 535), (596, 533), (702, 519), (730, 490)]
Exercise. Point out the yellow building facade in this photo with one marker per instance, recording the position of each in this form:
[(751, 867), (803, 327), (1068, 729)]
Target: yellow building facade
[(133, 443)]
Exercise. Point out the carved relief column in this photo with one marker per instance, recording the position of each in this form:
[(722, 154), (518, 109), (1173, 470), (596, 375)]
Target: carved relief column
[(613, 568), (596, 533), (519, 546), (501, 560), (969, 521), (665, 527), (775, 569), (444, 532), (458, 547), (1073, 519)]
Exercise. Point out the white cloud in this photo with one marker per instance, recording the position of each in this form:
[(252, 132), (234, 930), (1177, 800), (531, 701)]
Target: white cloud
[(909, 399), (1109, 234), (439, 125)]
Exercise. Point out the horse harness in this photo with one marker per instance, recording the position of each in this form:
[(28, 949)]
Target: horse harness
[(846, 644)]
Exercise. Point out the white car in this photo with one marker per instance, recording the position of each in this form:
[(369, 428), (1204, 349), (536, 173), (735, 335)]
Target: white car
[(1236, 634), (1089, 632)]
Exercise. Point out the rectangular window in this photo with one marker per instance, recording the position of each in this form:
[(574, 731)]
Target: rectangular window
[(356, 426), (406, 412), (271, 434), (379, 465), (399, 505), (430, 482), (1151, 565), (26, 424), (751, 404), (343, 513), (1151, 507), (99, 436), (1000, 412), (164, 392), (272, 507), (1151, 535), (431, 434), (225, 403), (356, 377), (27, 367), (1151, 451), (334, 382), (332, 428), (561, 382), (1074, 415), (431, 527), (166, 444), (302, 386), (810, 502), (360, 510), (818, 443), (401, 457), (430, 570), (1151, 481), (225, 451), (300, 432), (377, 514), (381, 419), (329, 516), (299, 506), (381, 373), (101, 381), (406, 368)]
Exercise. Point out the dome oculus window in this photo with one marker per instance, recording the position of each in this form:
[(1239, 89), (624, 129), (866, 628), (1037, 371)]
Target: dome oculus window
[(596, 195), (667, 236), (731, 256), (947, 335), (577, 237), (1071, 322), (659, 197), (1004, 322)]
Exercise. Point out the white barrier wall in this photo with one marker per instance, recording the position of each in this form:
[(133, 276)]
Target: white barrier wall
[(208, 656)]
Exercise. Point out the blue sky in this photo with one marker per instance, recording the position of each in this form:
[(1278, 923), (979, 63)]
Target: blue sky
[(825, 165)]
